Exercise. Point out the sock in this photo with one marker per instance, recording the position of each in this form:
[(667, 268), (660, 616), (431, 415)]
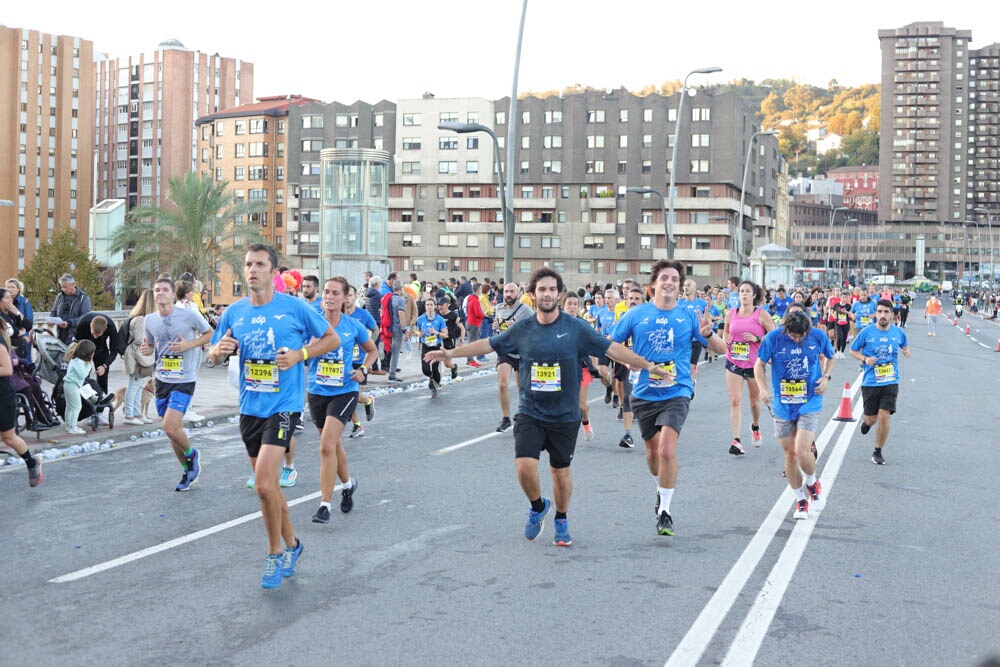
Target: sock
[(656, 479), (586, 422), (628, 431), (800, 494), (665, 496), (29, 459), (356, 422), (189, 452), (325, 504), (560, 515), (754, 427), (810, 479), (370, 401), (290, 466), (349, 484), (537, 505), (738, 440)]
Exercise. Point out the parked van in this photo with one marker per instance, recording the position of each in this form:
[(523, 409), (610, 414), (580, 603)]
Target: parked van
[(946, 286), (884, 279)]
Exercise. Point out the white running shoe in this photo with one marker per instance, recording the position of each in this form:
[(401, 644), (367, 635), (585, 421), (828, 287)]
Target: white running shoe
[(192, 416)]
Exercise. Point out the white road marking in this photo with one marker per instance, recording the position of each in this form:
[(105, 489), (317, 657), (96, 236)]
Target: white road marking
[(460, 445), (691, 648), (170, 544)]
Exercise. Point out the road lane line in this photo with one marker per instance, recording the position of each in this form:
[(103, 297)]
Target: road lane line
[(170, 544), (752, 632), (451, 448), (691, 648)]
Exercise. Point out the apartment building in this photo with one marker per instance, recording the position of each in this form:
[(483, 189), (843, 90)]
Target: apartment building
[(146, 109), (860, 186), (46, 140), (576, 157), (939, 157)]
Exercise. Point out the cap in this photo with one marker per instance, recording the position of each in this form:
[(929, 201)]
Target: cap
[(443, 301)]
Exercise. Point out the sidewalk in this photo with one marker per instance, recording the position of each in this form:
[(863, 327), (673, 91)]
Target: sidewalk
[(216, 400)]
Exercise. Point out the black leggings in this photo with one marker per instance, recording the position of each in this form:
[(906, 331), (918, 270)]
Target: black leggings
[(433, 371), (842, 331), (903, 314)]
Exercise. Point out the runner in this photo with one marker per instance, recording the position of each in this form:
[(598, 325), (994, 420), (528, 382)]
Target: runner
[(625, 378), (175, 336), (367, 400), (262, 328), (550, 345), (571, 306), (663, 331), (695, 303), (931, 313), (454, 332), (333, 395), (507, 313), (862, 311), (433, 331), (605, 323), (799, 378), (878, 348), (745, 328), (8, 411)]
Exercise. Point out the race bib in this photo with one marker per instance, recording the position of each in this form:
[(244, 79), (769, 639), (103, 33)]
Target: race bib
[(662, 383), (356, 358), (504, 326), (171, 367), (793, 392), (740, 351), (260, 375), (545, 377), (431, 340), (865, 320), (330, 373), (633, 377), (885, 373)]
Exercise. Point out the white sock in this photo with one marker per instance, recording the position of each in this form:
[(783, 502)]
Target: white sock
[(665, 496), (290, 466), (800, 494), (810, 479), (325, 504), (349, 484), (656, 479)]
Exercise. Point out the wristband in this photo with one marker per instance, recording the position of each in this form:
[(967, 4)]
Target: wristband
[(363, 369), (305, 354)]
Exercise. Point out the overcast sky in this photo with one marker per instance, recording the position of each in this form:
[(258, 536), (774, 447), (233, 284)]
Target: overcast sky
[(396, 49)]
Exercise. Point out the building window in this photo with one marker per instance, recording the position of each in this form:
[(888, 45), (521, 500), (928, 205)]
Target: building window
[(500, 118), (595, 115), (472, 143), (593, 242), (447, 167), (699, 166), (551, 242), (312, 145), (647, 166), (312, 121), (448, 143), (239, 174), (525, 118), (259, 149), (699, 140), (595, 141), (258, 125), (411, 167), (701, 114), (622, 167), (448, 240), (523, 241), (622, 141), (621, 267), (594, 167), (620, 243), (647, 115), (411, 240), (240, 150), (498, 240), (701, 243), (553, 116), (472, 167), (471, 241), (525, 166), (411, 143), (552, 141), (220, 128), (645, 242), (584, 266), (218, 152), (411, 119)]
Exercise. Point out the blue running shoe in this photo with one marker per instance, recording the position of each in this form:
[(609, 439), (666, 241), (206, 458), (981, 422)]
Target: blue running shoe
[(193, 466), (536, 521), (185, 482), (289, 558), (272, 571), (562, 538), (288, 476)]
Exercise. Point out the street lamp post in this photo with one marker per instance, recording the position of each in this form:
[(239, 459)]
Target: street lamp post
[(672, 192), (668, 226), (508, 214), (989, 225), (743, 191), (763, 272), (508, 269), (840, 261), (829, 237), (979, 241)]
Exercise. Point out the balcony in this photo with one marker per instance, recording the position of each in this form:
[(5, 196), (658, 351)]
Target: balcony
[(711, 229), (292, 225), (401, 227), (711, 255), (401, 202), (308, 249), (601, 228), (472, 203), (293, 202)]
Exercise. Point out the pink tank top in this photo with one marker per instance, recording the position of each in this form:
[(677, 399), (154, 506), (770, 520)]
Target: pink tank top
[(744, 353)]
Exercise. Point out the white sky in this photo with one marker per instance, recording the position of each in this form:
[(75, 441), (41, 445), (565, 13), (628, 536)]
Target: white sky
[(397, 49)]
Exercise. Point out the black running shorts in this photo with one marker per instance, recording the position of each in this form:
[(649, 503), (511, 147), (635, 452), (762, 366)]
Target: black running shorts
[(653, 415), (879, 398), (274, 430), (532, 436), (340, 407)]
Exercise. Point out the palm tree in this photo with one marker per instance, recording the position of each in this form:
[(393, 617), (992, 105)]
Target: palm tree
[(204, 229)]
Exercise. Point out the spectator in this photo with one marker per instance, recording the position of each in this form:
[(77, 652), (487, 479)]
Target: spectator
[(474, 315), (71, 305), (18, 323), (100, 330), (373, 304), (395, 305), (138, 366), (81, 361), (16, 289)]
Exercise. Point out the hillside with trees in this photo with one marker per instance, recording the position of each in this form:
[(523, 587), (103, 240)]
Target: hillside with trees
[(793, 109)]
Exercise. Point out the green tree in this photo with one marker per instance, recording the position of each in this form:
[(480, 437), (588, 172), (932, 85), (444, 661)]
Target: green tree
[(205, 227), (860, 147), (63, 254)]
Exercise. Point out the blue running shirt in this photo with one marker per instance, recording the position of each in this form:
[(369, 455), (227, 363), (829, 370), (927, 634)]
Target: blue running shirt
[(330, 374), (864, 313), (795, 369), (261, 331), (884, 346)]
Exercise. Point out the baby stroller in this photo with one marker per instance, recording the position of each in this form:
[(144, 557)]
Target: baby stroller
[(51, 364), (52, 367)]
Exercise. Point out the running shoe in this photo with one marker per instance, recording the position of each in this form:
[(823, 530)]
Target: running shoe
[(815, 495), (434, 389), (395, 378), (614, 401), (505, 425), (626, 442), (322, 515), (288, 476), (35, 475), (74, 430), (758, 439), (272, 571), (736, 448), (801, 510), (454, 372), (620, 417), (357, 431), (370, 409), (185, 482), (473, 363), (536, 521), (192, 416), (289, 557), (588, 432), (347, 497), (250, 482), (665, 525), (193, 466), (865, 427), (607, 394), (562, 538), (877, 458)]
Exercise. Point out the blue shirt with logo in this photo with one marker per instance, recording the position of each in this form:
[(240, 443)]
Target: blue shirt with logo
[(781, 305), (884, 346), (663, 337), (284, 321), (430, 329), (550, 371), (605, 320), (864, 313), (795, 369), (330, 374)]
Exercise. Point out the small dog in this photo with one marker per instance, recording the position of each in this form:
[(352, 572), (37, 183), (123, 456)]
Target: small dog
[(147, 396)]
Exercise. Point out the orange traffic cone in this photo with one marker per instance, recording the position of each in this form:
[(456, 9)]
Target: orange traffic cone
[(956, 321), (968, 329), (844, 414), (998, 346)]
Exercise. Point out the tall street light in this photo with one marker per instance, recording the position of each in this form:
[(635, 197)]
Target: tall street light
[(677, 135), (989, 225), (668, 226), (979, 241), (508, 270), (508, 214), (743, 191), (840, 261), (829, 237)]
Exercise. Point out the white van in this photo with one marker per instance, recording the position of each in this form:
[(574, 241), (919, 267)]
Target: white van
[(946, 286), (884, 279)]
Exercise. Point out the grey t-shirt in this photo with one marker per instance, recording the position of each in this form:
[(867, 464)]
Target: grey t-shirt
[(161, 331), (504, 317)]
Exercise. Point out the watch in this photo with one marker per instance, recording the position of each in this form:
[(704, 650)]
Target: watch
[(828, 377), (364, 369)]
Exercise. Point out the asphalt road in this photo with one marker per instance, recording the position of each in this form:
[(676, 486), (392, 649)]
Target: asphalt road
[(108, 565)]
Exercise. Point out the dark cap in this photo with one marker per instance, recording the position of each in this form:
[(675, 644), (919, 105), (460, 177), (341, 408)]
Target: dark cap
[(444, 301)]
